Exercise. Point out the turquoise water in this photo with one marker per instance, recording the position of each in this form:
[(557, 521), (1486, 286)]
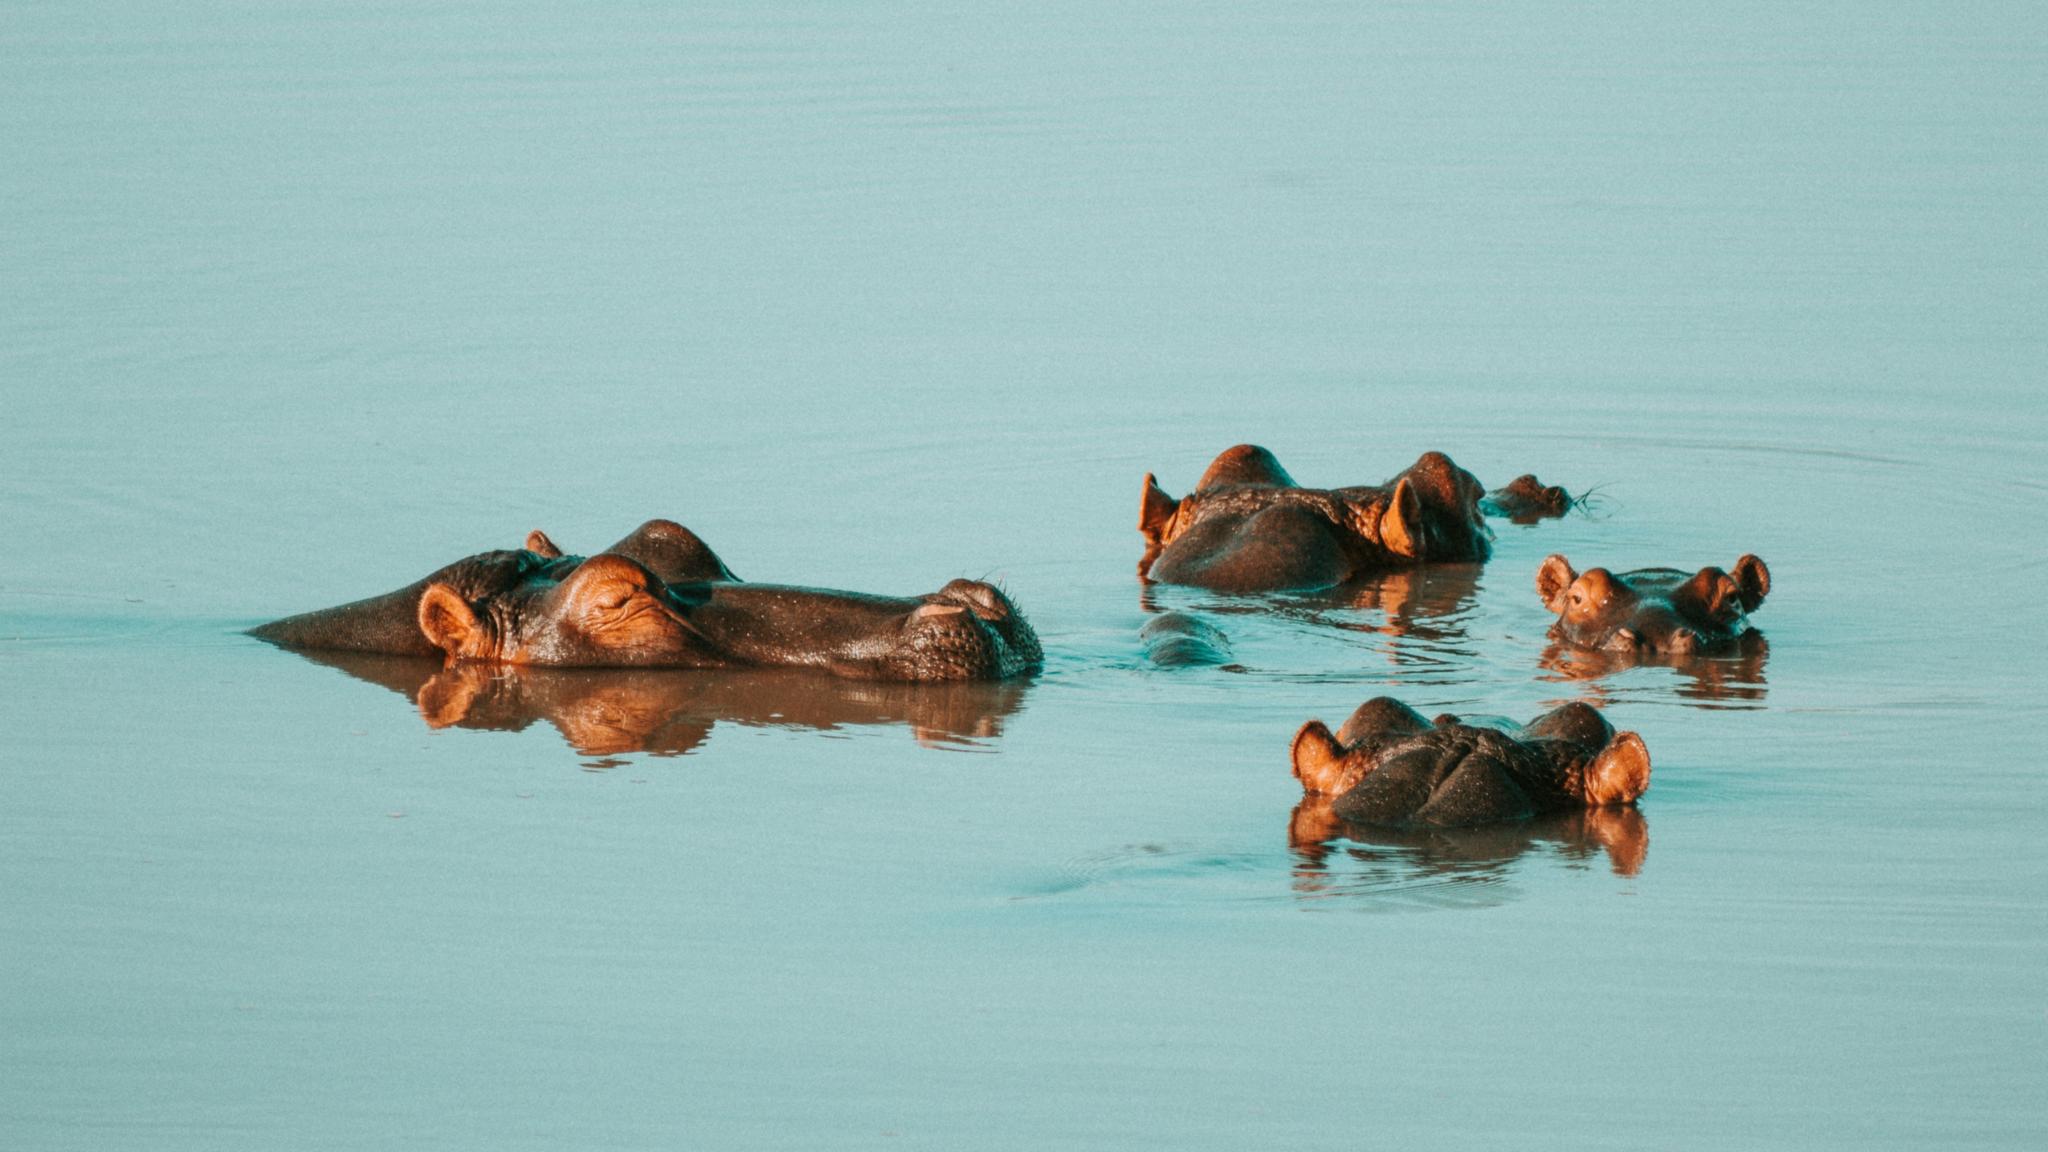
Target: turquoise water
[(300, 303)]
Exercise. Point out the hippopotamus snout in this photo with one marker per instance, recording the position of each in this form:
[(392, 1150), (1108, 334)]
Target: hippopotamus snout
[(967, 630)]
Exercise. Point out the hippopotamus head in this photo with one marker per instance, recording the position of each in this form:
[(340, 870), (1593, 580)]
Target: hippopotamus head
[(1652, 609), (1388, 765), (1247, 526), (1525, 500), (611, 611), (661, 598), (1436, 513)]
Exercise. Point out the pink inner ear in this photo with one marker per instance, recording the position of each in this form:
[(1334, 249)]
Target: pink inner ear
[(1753, 581), (1401, 523), (1553, 580), (446, 620)]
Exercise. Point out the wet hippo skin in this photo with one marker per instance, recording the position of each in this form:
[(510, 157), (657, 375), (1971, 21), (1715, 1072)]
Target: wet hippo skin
[(1652, 610), (1248, 526), (661, 599), (1390, 767)]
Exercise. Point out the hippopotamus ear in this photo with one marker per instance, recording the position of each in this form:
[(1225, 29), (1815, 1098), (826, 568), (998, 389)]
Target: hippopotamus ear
[(1401, 523), (1319, 761), (1716, 593), (449, 624), (1156, 511), (537, 542), (1620, 773), (447, 698), (1553, 580), (1754, 580)]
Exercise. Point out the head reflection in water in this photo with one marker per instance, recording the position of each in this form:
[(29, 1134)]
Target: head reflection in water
[(670, 712), (1422, 613), (1733, 678), (1336, 859), (1426, 603)]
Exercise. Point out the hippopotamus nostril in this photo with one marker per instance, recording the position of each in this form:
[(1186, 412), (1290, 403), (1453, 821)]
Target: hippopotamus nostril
[(1685, 640), (983, 599)]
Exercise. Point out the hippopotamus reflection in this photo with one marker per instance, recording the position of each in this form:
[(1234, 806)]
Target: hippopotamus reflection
[(1652, 609), (1729, 676), (668, 712), (1335, 856), (1248, 527), (661, 598), (1389, 766), (1422, 610)]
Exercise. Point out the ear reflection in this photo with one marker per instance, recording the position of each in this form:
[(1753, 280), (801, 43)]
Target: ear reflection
[(1732, 678), (670, 712), (1334, 857)]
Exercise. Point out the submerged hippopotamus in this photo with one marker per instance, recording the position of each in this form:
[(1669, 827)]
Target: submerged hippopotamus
[(661, 598), (1248, 527), (1389, 766), (1652, 610)]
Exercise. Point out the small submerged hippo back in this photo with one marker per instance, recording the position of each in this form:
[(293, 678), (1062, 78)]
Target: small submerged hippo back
[(1389, 766), (1652, 609)]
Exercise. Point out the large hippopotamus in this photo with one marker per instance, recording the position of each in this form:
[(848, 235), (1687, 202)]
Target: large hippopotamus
[(661, 598), (1389, 767), (1652, 610), (1248, 527)]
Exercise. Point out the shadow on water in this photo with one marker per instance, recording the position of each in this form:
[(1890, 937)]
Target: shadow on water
[(1335, 860), (670, 712), (1732, 680)]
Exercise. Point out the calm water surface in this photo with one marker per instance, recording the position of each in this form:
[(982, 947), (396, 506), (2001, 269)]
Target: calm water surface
[(300, 303)]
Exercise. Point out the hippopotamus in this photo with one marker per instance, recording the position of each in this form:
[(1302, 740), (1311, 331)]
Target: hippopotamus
[(1525, 500), (662, 598), (1652, 610), (1179, 640), (1248, 527), (1390, 767)]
